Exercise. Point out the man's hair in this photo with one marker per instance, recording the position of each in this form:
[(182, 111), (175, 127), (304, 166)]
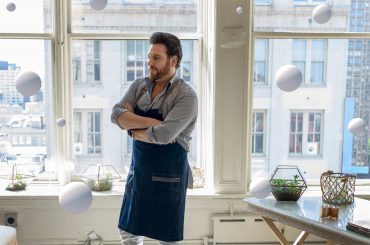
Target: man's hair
[(171, 42)]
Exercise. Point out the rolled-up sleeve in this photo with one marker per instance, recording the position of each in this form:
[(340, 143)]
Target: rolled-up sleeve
[(129, 97), (182, 114)]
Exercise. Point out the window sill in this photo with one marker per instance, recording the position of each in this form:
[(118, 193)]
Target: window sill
[(46, 191)]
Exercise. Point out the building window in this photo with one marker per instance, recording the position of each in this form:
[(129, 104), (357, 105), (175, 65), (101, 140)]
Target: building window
[(87, 133), (86, 61), (317, 61), (309, 56), (260, 61), (305, 133), (137, 51), (258, 133)]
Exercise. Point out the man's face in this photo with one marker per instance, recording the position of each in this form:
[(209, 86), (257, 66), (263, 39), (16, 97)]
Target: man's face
[(159, 63)]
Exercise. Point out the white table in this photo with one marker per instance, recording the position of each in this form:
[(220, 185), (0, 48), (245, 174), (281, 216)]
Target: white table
[(305, 216)]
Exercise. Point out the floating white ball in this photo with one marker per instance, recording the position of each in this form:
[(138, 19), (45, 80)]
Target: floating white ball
[(288, 78), (98, 4), (61, 122), (28, 83), (11, 7), (322, 13), (239, 10), (75, 198), (260, 187), (356, 126)]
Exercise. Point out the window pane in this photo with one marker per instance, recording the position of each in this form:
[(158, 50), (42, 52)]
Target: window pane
[(121, 61), (86, 62), (307, 120), (260, 61), (27, 17), (25, 120), (133, 16), (258, 133)]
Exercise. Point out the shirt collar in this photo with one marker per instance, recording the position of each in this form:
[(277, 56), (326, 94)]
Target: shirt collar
[(149, 84)]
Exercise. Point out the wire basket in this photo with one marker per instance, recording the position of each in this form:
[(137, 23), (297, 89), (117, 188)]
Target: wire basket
[(337, 188)]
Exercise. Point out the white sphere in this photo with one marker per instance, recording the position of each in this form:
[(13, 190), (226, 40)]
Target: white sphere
[(61, 122), (11, 7), (98, 4), (356, 126), (322, 13), (239, 10), (75, 198), (28, 83), (288, 78), (260, 187)]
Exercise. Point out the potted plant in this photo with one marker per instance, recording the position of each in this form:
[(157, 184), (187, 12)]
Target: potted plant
[(103, 184), (16, 176), (100, 177), (17, 184), (287, 183)]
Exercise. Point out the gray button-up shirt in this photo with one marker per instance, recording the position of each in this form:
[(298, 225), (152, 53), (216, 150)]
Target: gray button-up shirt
[(180, 109)]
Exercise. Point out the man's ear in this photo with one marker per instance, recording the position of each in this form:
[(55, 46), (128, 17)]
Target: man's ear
[(173, 60)]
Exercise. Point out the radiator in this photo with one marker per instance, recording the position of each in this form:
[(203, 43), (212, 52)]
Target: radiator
[(240, 228)]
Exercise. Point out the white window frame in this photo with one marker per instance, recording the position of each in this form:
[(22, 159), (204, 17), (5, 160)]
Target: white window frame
[(263, 133), (265, 61), (308, 61), (305, 134), (69, 36)]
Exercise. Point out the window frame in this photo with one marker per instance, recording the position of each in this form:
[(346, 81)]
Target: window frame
[(304, 133), (308, 61), (307, 35), (254, 132), (70, 36)]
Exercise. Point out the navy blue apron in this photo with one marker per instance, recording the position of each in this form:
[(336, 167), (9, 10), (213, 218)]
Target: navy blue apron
[(154, 200)]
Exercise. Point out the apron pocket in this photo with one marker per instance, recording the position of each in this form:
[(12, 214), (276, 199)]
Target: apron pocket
[(166, 187)]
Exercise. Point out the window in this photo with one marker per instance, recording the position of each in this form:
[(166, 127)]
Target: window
[(26, 120), (315, 50), (108, 52), (93, 133), (86, 61), (137, 51), (305, 133), (87, 132), (299, 56), (317, 62), (258, 133), (309, 125), (260, 61)]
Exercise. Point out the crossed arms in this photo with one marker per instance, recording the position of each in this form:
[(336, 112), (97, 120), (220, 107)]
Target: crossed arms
[(137, 124)]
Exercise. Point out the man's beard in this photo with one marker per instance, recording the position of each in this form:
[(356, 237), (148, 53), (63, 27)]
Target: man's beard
[(159, 73)]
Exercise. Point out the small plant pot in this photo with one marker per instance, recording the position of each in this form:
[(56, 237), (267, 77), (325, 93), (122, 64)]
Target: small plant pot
[(287, 193), (16, 186), (100, 185), (287, 183)]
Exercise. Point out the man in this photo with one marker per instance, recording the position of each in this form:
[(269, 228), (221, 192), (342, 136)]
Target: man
[(159, 112)]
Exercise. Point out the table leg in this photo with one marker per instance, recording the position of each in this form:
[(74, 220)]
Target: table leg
[(276, 231), (300, 239)]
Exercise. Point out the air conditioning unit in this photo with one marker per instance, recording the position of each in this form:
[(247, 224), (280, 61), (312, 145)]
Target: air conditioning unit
[(77, 148), (312, 148)]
